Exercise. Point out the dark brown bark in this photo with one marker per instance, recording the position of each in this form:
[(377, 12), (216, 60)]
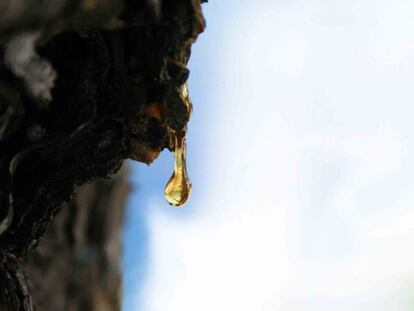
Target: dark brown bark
[(77, 264), (83, 86)]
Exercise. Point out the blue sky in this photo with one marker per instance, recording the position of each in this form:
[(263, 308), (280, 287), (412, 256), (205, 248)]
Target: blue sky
[(299, 150)]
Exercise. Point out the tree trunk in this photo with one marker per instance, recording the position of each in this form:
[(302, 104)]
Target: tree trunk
[(83, 85), (76, 266)]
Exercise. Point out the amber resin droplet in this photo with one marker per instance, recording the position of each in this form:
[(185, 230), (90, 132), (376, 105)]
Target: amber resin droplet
[(178, 187)]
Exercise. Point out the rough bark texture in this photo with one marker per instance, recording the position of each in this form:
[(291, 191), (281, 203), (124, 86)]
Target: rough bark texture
[(77, 264), (83, 85)]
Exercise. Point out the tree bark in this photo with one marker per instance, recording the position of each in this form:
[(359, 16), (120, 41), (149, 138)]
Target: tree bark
[(83, 85), (77, 264)]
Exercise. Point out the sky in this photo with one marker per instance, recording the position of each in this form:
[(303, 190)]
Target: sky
[(300, 152)]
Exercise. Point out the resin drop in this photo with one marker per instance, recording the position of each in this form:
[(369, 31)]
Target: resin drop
[(178, 187)]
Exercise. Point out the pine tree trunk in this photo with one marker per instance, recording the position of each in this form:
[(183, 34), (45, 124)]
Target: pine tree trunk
[(77, 264), (83, 85)]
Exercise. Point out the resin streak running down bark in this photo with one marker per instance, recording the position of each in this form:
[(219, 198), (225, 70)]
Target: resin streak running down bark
[(178, 188)]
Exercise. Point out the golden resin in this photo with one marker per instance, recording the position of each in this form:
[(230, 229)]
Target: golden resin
[(186, 98), (178, 187)]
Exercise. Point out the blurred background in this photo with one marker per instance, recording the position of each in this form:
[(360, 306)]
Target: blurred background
[(300, 150)]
